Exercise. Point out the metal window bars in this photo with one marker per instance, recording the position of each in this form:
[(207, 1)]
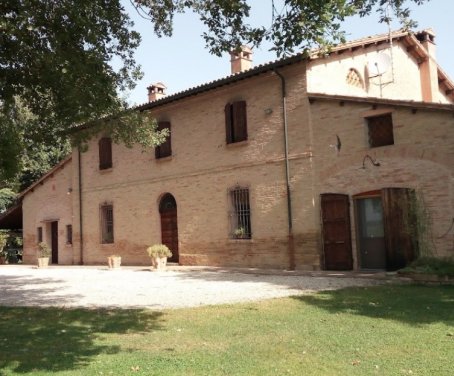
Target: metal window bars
[(240, 216)]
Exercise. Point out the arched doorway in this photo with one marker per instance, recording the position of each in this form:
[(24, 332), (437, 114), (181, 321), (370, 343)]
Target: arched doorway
[(169, 224)]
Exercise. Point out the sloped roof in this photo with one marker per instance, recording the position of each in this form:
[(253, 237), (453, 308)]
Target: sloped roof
[(12, 218), (46, 176), (409, 39)]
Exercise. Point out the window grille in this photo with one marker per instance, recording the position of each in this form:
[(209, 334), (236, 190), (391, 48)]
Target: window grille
[(240, 216), (69, 234), (354, 78), (380, 130), (107, 224), (40, 234), (235, 122), (165, 149), (105, 153)]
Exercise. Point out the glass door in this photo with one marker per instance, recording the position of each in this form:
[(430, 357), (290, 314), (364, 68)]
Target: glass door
[(371, 238)]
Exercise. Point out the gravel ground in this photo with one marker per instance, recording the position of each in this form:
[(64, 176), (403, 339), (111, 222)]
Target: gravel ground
[(138, 287)]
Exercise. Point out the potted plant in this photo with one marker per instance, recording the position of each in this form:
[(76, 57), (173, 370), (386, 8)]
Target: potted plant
[(158, 254), (114, 261), (43, 255), (239, 233), (3, 241)]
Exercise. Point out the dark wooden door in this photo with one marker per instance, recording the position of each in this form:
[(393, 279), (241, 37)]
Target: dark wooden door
[(169, 225), (399, 226), (54, 236), (337, 245)]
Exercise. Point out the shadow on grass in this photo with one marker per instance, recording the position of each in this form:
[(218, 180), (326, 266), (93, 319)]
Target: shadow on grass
[(52, 339), (411, 304)]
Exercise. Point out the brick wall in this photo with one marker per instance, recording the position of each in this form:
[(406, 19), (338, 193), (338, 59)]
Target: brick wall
[(421, 158), (203, 168)]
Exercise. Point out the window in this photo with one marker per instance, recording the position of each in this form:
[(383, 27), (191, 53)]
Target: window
[(165, 149), (380, 130), (240, 216), (69, 234), (40, 234), (235, 122), (107, 233), (354, 78), (105, 153)]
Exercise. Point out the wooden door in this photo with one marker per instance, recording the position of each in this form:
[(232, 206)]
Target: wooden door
[(54, 237), (399, 226), (169, 225), (337, 245)]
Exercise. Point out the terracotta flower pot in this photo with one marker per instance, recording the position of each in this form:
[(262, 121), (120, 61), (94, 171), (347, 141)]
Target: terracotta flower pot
[(159, 263), (114, 262), (43, 262)]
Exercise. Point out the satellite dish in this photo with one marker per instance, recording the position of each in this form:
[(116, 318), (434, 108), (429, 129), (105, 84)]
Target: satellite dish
[(379, 65)]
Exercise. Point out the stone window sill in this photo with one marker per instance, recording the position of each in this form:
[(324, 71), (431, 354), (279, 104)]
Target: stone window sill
[(237, 144)]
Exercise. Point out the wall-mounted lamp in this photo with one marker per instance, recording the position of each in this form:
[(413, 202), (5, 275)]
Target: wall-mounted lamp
[(268, 111), (371, 160), (69, 191)]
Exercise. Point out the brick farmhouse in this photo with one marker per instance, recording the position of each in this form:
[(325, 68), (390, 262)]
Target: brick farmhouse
[(307, 162)]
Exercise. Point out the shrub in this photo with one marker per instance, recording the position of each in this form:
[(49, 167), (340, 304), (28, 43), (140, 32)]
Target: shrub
[(3, 240), (43, 250), (443, 266), (159, 250)]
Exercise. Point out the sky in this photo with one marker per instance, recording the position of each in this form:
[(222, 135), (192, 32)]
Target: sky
[(182, 61)]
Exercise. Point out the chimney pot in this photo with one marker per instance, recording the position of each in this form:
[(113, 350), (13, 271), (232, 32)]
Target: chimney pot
[(156, 91), (241, 60)]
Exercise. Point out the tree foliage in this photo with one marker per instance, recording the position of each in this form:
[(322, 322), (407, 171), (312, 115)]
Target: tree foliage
[(297, 24)]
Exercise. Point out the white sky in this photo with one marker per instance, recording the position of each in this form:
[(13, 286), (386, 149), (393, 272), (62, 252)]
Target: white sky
[(182, 61)]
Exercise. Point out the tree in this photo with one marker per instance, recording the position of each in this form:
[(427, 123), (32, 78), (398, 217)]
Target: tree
[(55, 58), (300, 24)]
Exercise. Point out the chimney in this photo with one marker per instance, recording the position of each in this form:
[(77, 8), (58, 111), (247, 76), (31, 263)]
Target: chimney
[(156, 91), (241, 60), (428, 68)]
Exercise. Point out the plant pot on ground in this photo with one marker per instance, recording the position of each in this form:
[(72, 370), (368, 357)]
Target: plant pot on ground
[(114, 261), (159, 254), (43, 255)]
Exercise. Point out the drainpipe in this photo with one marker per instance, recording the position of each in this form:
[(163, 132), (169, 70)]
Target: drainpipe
[(81, 237), (291, 243)]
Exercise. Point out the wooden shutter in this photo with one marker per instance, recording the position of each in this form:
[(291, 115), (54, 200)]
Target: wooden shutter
[(398, 218), (239, 121), (228, 123), (165, 149), (380, 130), (337, 244), (105, 153)]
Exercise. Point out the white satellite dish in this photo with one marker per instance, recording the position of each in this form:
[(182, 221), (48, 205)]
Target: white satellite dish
[(379, 65)]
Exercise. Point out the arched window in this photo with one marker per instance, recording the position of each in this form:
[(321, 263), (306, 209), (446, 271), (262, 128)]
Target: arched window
[(354, 78)]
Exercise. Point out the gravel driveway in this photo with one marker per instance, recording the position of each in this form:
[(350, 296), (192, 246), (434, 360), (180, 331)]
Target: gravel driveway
[(138, 287)]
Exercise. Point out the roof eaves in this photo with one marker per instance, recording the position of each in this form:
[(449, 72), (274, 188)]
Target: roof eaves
[(260, 69), (390, 102), (45, 176)]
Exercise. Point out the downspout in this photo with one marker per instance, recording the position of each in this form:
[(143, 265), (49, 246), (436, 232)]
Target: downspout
[(291, 243), (81, 237)]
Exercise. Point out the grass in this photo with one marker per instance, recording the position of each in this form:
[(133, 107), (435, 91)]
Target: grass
[(386, 330), (431, 265)]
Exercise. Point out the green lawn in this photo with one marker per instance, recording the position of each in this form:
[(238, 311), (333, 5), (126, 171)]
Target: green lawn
[(389, 330)]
